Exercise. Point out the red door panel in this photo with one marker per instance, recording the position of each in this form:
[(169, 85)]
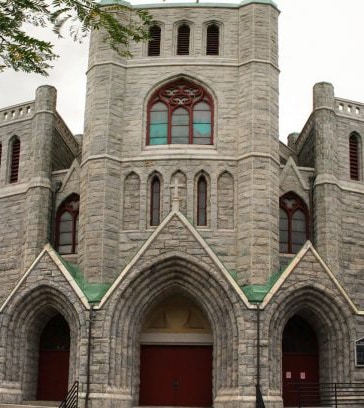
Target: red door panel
[(176, 376), (303, 368), (53, 375)]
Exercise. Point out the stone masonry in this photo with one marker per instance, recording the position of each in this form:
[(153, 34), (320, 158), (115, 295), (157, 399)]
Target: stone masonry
[(129, 284)]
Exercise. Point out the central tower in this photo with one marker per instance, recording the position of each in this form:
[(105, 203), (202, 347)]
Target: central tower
[(196, 107)]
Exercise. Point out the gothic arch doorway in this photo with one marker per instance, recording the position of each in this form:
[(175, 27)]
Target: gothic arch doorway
[(176, 355), (300, 358), (54, 352)]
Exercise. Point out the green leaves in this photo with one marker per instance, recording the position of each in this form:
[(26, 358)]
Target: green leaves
[(20, 51)]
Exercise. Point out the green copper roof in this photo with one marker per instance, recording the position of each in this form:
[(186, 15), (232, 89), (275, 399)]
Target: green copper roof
[(167, 4), (257, 293), (93, 291)]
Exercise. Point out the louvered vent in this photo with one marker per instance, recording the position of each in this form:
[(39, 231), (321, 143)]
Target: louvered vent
[(354, 157), (212, 40), (154, 44), (183, 40), (15, 156)]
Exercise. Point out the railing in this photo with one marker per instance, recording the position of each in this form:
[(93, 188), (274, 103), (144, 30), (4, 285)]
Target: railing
[(71, 400), (326, 394)]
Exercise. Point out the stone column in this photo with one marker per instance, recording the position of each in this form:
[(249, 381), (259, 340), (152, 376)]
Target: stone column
[(258, 155), (38, 197), (101, 167), (326, 192)]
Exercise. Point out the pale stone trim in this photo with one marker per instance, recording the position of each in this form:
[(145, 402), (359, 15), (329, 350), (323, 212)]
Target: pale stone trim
[(350, 186), (301, 254), (50, 251), (176, 61), (178, 155), (13, 189), (292, 165), (198, 238), (176, 338)]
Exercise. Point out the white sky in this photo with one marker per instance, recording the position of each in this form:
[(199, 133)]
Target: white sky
[(320, 40)]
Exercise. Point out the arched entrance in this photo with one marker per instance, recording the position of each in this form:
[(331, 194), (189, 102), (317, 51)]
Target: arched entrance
[(300, 358), (54, 351), (176, 355)]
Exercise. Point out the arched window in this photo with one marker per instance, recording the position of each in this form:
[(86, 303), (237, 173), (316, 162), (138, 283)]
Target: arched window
[(14, 160), (155, 201), (212, 39), (154, 43), (183, 39), (180, 113), (354, 156), (67, 225), (202, 201), (293, 223)]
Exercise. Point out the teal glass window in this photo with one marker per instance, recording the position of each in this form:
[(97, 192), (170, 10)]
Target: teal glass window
[(158, 124), (201, 123), (180, 126), (180, 112)]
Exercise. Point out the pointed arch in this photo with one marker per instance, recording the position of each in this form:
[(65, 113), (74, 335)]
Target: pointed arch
[(293, 223), (355, 156), (180, 112), (27, 315), (14, 160), (327, 316), (66, 231), (131, 205), (225, 201), (140, 293)]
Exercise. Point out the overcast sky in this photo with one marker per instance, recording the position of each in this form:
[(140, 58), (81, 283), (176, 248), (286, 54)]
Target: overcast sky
[(320, 40)]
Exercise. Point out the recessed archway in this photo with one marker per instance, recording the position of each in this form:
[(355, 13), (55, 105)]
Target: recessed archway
[(176, 355)]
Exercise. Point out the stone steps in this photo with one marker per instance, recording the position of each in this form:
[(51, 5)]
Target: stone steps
[(32, 404)]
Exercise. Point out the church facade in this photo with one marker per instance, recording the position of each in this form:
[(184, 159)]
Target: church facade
[(177, 253)]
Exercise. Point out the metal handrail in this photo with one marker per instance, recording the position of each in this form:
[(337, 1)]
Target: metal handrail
[(71, 400), (327, 394)]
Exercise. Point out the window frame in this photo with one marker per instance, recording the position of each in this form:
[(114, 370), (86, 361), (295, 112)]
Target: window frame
[(152, 202), (62, 209), (172, 104), (200, 208), (301, 205)]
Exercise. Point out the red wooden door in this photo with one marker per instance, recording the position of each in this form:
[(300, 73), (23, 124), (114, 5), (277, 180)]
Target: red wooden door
[(176, 376), (300, 361), (54, 352), (299, 368), (53, 375)]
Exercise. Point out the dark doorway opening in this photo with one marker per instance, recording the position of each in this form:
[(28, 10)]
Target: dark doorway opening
[(300, 360), (54, 351)]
